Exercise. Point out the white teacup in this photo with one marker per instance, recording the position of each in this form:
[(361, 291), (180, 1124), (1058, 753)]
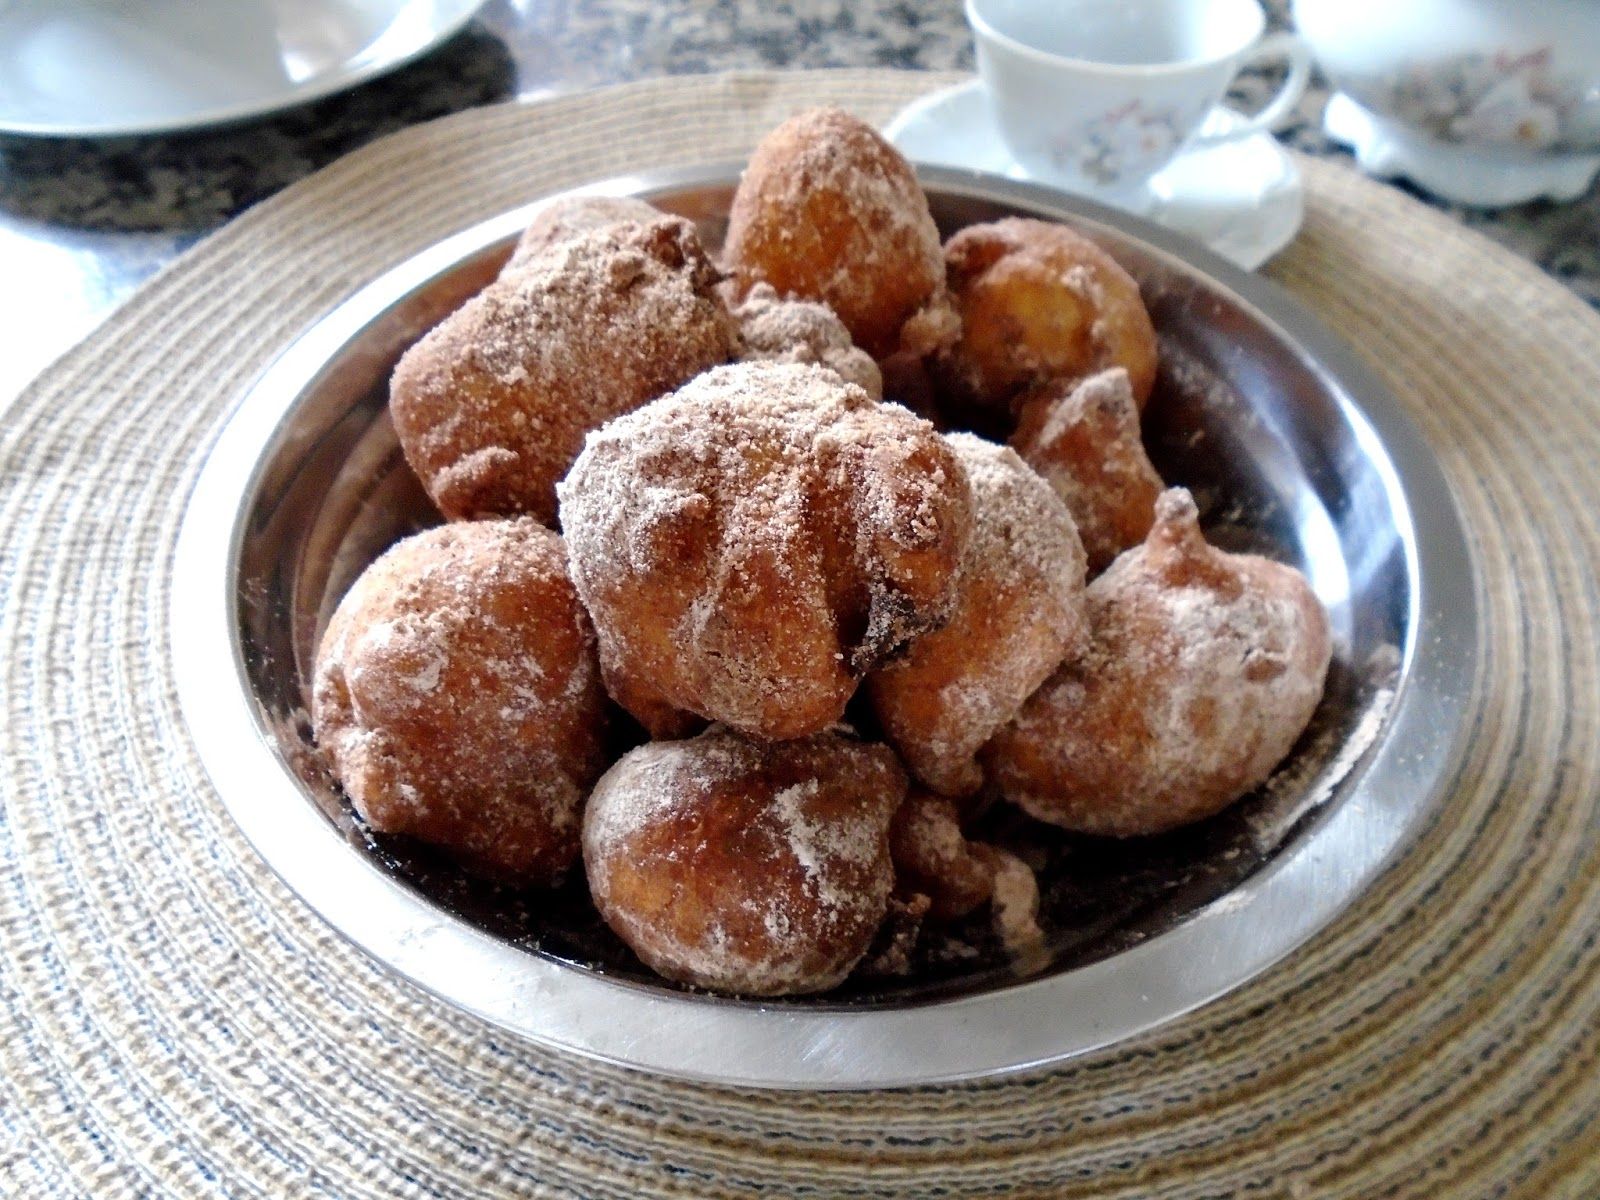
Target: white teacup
[(1098, 95)]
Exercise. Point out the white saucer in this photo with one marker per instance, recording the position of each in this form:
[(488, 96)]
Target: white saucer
[(1243, 199), (101, 68), (1482, 178)]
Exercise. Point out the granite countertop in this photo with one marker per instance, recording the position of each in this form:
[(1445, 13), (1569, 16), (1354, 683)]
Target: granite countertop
[(83, 222)]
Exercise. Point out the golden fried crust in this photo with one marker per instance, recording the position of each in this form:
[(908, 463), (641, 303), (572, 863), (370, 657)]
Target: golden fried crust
[(1018, 615), (491, 406), (932, 857), (753, 543), (1084, 440), (567, 217), (458, 699), (827, 210), (1203, 669), (757, 869), (1040, 302)]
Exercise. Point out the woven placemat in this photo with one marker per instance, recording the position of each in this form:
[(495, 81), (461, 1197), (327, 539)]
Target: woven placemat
[(177, 1023)]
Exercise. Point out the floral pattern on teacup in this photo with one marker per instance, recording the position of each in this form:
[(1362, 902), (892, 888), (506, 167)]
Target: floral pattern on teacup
[(1499, 99), (1128, 141)]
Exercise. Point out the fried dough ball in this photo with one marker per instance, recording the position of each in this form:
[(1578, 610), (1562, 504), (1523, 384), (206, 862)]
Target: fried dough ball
[(932, 857), (801, 331), (568, 216), (661, 719), (1018, 615), (827, 210), (456, 697), (1014, 907), (752, 544), (1203, 669), (1039, 302), (492, 405), (757, 869), (1084, 440), (951, 876)]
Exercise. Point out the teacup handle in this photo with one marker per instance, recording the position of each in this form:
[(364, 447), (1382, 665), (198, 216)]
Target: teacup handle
[(1275, 45)]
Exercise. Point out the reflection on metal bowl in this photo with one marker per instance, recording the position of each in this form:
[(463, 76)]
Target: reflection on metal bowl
[(1292, 449)]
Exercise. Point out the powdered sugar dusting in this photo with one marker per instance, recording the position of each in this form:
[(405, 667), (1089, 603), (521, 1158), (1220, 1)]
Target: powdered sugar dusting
[(1307, 783), (1202, 670), (566, 217), (1021, 533), (638, 785), (750, 868), (817, 845)]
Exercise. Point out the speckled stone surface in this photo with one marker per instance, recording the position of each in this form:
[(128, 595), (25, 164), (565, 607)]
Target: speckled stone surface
[(85, 221)]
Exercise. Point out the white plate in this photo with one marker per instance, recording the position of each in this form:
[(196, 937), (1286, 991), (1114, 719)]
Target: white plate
[(102, 68), (1243, 199)]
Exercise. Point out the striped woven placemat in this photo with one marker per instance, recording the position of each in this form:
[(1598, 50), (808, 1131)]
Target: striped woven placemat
[(177, 1023)]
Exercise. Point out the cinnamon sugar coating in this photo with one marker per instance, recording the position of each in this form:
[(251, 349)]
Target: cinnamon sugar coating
[(492, 405), (758, 869), (458, 700), (1084, 440), (567, 217), (750, 545), (1203, 668), (827, 210), (1039, 302), (803, 331), (1018, 615)]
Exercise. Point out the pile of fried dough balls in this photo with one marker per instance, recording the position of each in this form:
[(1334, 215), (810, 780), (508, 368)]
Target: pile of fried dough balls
[(753, 540)]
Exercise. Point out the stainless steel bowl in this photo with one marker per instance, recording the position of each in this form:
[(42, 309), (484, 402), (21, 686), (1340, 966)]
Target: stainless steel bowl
[(1292, 448)]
